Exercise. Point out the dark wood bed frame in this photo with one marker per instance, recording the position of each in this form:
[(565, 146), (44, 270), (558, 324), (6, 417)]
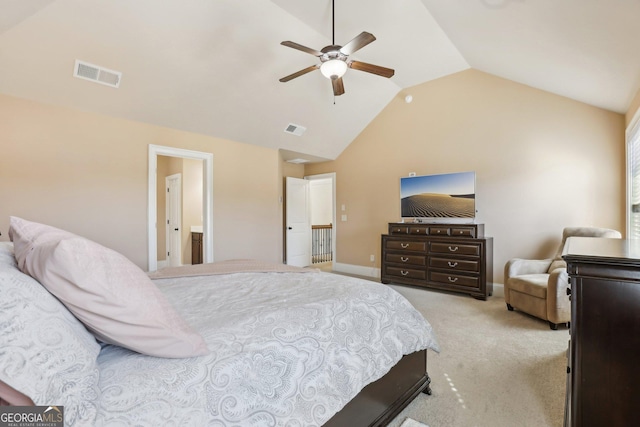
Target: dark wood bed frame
[(379, 402)]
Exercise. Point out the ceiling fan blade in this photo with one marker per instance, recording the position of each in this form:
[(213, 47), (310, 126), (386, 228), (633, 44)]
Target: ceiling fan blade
[(373, 69), (357, 43), (295, 45), (338, 86), (299, 73)]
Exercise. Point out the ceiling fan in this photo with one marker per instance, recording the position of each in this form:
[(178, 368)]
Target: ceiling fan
[(334, 59)]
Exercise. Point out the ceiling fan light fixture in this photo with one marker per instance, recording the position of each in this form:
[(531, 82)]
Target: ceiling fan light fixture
[(333, 68)]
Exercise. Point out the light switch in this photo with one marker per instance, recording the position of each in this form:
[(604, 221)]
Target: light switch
[(344, 217), (344, 208)]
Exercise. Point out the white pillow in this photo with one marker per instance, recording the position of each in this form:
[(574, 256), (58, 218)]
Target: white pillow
[(113, 297), (46, 354)]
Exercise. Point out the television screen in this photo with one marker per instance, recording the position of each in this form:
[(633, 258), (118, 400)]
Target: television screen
[(450, 195)]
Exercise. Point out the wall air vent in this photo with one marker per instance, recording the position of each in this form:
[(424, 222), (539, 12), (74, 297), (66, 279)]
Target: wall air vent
[(295, 129), (97, 74)]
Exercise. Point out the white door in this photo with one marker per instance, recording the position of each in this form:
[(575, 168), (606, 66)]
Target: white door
[(298, 222), (174, 220)]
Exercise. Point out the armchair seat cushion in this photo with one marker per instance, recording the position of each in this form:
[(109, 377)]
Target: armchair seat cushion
[(530, 284)]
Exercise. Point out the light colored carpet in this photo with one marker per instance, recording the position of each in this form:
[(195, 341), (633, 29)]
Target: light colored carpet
[(496, 368), (412, 423)]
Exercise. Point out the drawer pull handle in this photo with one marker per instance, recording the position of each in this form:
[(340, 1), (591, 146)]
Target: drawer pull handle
[(404, 245), (452, 264), (403, 259), (454, 249), (452, 279), (404, 273)]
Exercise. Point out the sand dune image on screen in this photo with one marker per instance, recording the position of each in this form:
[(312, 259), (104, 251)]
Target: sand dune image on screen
[(438, 206)]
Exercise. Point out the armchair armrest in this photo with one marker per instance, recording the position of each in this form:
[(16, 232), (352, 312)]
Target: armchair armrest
[(558, 302), (520, 266)]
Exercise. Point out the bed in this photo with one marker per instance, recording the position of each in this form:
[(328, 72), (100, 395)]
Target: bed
[(256, 344)]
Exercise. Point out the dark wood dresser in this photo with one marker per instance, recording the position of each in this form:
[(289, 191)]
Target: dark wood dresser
[(603, 387), (196, 248), (452, 257)]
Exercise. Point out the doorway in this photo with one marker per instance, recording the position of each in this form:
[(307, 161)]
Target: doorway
[(207, 200), (321, 201)]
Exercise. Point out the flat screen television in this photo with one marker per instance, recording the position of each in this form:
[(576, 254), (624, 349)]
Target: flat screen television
[(449, 196)]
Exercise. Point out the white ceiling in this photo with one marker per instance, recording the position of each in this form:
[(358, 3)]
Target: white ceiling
[(212, 66)]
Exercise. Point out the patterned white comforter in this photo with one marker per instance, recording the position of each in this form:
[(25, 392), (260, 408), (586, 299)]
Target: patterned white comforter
[(287, 349)]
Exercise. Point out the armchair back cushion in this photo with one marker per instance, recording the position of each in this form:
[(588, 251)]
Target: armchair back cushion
[(558, 262)]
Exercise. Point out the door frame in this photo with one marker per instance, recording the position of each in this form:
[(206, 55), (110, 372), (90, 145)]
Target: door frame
[(332, 177), (152, 203)]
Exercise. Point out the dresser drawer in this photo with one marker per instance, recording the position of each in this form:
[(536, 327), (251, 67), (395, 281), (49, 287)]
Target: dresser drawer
[(454, 264), (408, 273), (406, 245), (406, 259), (454, 279), (455, 248), (420, 230), (463, 231), (439, 231), (398, 229)]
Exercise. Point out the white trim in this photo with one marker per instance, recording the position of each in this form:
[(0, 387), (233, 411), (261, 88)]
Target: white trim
[(207, 200), (632, 129), (357, 270), (332, 177)]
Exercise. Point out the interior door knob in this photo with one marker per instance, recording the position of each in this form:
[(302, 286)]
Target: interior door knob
[(176, 229), (290, 228)]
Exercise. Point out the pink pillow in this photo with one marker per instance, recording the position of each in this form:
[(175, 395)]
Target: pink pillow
[(113, 297), (9, 396)]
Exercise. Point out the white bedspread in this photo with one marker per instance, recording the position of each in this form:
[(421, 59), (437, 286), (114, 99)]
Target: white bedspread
[(287, 349)]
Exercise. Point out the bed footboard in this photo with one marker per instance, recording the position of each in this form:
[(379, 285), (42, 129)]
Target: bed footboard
[(379, 402)]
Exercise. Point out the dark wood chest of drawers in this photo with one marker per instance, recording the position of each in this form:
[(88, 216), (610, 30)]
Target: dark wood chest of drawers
[(452, 257), (604, 373)]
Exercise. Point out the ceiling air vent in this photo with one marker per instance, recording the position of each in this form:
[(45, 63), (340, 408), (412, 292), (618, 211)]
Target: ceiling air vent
[(97, 74), (298, 161), (295, 129)]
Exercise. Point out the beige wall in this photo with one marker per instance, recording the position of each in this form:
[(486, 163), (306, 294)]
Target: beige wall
[(542, 162), (87, 173)]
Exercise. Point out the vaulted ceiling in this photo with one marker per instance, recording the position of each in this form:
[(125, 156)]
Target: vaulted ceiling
[(212, 66)]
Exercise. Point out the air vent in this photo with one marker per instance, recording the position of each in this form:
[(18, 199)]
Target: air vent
[(298, 161), (97, 74), (295, 129)]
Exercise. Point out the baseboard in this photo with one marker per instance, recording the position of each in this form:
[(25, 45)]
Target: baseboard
[(356, 270)]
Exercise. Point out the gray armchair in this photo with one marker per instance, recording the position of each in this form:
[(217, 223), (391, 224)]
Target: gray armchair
[(539, 287)]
